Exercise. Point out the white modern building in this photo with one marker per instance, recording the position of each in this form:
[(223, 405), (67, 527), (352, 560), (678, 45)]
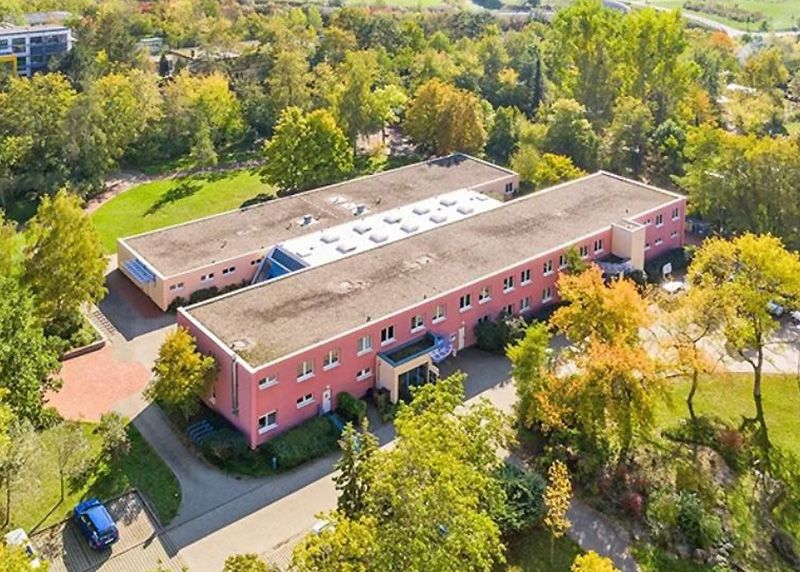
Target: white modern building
[(28, 49)]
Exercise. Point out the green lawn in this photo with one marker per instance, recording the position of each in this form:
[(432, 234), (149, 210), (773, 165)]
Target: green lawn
[(780, 13), (141, 468), (730, 396), (530, 552), (172, 201)]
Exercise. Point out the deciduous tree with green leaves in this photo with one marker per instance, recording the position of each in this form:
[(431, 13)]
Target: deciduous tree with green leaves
[(570, 133), (181, 374), (306, 150), (745, 275), (70, 450), (592, 562), (355, 469), (64, 262), (626, 142), (557, 498), (113, 431), (246, 563)]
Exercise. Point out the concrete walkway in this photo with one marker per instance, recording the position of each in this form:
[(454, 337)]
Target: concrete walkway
[(592, 530)]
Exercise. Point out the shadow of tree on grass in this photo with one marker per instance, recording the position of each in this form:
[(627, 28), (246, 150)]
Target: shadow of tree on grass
[(186, 188)]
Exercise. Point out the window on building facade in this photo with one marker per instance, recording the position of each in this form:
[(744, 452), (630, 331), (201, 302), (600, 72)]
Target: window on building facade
[(547, 268), (676, 213), (508, 283), (673, 234), (176, 286), (439, 314), (465, 302), (417, 323), (387, 335), (229, 270), (598, 245), (364, 344), (268, 381), (583, 251), (525, 304), (509, 310), (483, 295), (659, 241), (660, 220), (484, 318), (509, 187), (525, 276), (207, 277), (646, 246), (256, 261), (547, 294), (268, 421), (307, 399), (305, 369), (363, 373), (331, 359), (562, 261)]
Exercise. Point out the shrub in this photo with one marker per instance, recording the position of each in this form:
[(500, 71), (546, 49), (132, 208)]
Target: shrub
[(351, 408), (224, 446), (203, 294), (677, 257), (700, 528), (494, 336), (632, 503), (310, 440), (386, 409), (524, 506)]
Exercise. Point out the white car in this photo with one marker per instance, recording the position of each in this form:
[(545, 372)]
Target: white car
[(775, 309), (17, 537), (320, 526), (673, 286), (795, 316)]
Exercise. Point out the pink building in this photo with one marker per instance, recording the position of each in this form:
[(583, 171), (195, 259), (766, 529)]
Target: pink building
[(231, 248), (393, 303)]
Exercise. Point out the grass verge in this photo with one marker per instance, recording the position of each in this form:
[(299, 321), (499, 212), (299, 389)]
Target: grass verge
[(38, 503), (172, 201), (530, 551)]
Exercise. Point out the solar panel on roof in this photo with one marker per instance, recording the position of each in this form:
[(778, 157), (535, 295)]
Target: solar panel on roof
[(139, 271)]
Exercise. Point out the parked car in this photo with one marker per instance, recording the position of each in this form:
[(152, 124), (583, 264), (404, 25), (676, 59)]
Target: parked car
[(775, 309), (795, 316), (18, 538), (673, 286), (96, 524)]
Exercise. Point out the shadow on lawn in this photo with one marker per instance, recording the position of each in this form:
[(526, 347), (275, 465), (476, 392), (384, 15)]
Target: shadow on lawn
[(186, 188)]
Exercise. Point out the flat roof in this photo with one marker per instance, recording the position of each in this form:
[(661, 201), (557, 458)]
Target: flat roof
[(191, 245), (306, 308), (12, 29)]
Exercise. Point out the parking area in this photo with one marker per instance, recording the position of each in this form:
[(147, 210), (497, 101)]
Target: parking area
[(141, 546)]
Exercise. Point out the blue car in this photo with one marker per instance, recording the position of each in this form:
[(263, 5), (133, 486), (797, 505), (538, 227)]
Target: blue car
[(96, 524)]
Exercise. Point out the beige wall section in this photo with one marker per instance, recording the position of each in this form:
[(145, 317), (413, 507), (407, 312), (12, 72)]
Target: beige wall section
[(153, 290), (497, 189), (387, 374), (627, 241)]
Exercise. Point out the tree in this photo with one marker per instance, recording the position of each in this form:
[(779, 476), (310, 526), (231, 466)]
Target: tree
[(504, 135), (765, 70), (355, 469), (246, 563), (592, 562), (530, 369), (65, 265), (113, 431), (70, 450), (355, 109), (432, 507), (306, 150), (28, 362), (570, 133), (15, 559), (16, 460), (9, 246), (543, 170), (691, 319), (745, 275), (557, 498), (524, 492), (181, 374), (202, 152), (443, 119), (627, 139), (289, 81)]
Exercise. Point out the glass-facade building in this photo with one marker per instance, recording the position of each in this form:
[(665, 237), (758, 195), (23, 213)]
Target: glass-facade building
[(29, 49)]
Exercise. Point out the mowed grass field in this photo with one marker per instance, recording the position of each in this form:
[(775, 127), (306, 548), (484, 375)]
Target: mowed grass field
[(141, 468), (781, 14), (172, 201), (730, 396)]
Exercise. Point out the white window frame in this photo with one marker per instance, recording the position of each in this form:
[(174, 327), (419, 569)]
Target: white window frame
[(418, 327), (484, 318), (229, 270), (659, 241), (389, 339), (525, 304), (437, 316), (659, 221), (268, 381), (256, 261), (364, 373), (177, 287), (547, 295), (305, 401), (267, 426), (646, 246), (485, 295), (525, 277), (508, 309), (583, 251), (308, 373), (598, 245), (547, 268), (674, 234), (562, 261), (508, 284), (465, 303), (364, 348), (207, 277), (333, 358), (676, 213)]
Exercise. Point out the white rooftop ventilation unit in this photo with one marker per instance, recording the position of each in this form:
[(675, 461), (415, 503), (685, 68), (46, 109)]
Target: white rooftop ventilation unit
[(329, 238), (359, 210), (410, 227), (346, 247), (447, 202), (392, 218), (378, 237), (465, 209), (438, 218), (307, 220), (421, 210), (362, 228)]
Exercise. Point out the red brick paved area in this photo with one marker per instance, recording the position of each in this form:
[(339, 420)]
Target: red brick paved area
[(94, 382)]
